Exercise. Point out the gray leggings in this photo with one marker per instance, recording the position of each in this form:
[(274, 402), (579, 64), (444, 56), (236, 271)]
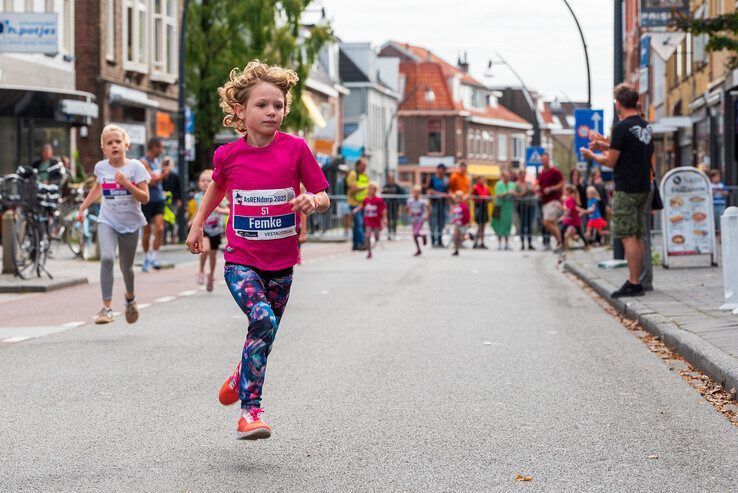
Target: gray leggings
[(109, 240)]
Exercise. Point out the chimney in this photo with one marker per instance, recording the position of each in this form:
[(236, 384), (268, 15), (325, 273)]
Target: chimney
[(463, 63)]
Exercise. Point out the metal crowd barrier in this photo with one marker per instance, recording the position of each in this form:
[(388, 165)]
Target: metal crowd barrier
[(337, 221)]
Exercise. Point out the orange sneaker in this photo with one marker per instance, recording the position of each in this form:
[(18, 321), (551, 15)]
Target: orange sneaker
[(228, 394), (251, 427)]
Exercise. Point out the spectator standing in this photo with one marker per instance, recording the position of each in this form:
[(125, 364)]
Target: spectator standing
[(719, 196), (603, 204), (550, 187), (460, 181), (357, 183), (481, 195), (46, 161), (526, 210), (437, 188), (171, 185), (393, 203), (503, 211), (342, 206), (629, 152)]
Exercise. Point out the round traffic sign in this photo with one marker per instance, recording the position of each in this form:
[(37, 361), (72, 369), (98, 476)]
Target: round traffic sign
[(583, 131)]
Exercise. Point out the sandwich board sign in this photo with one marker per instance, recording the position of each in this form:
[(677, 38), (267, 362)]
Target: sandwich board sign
[(688, 217)]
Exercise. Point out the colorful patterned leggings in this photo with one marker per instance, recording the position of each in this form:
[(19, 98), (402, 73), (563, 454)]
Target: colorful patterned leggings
[(262, 296)]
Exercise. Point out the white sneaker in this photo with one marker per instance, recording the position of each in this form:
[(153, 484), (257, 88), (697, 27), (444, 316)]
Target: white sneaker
[(104, 316)]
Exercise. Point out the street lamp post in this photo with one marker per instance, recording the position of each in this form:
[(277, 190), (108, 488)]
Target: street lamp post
[(586, 54), (537, 120), (181, 163)]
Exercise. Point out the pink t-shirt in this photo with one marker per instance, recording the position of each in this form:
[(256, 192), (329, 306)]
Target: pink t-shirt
[(260, 182), (373, 209), (571, 216)]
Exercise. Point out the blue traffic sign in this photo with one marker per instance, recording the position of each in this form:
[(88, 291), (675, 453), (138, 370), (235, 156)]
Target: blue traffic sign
[(586, 120), (189, 121), (533, 156)]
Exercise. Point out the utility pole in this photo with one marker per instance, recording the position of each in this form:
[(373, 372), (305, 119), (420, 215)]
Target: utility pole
[(181, 162)]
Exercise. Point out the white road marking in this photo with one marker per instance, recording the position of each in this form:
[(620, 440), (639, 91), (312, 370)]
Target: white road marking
[(15, 339), (141, 306), (165, 299), (188, 293), (73, 324)]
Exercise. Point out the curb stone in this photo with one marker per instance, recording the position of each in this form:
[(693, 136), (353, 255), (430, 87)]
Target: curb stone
[(713, 362)]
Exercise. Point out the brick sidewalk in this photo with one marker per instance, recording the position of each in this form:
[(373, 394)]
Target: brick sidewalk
[(682, 309)]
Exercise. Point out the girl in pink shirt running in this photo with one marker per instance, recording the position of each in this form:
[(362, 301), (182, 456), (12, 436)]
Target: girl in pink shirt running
[(261, 174)]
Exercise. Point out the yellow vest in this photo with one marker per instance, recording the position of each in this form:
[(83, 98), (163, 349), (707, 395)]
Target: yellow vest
[(360, 181)]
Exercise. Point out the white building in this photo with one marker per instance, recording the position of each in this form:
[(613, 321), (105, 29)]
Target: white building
[(370, 110)]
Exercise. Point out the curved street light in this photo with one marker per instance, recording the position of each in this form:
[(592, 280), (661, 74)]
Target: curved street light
[(586, 54)]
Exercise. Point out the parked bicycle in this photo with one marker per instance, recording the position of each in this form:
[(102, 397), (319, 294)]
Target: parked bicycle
[(34, 204)]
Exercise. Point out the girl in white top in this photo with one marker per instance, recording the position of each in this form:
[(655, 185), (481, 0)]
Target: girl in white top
[(124, 185)]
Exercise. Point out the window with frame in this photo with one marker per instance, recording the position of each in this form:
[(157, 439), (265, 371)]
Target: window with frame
[(470, 143), (491, 146), (135, 35), (478, 143), (502, 147), (164, 45), (110, 34), (518, 148), (434, 129), (485, 144)]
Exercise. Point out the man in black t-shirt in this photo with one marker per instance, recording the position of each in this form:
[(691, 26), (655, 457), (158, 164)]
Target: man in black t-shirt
[(628, 152)]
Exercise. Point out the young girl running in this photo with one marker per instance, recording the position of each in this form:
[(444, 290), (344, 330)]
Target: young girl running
[(375, 215), (124, 186), (460, 218), (595, 221), (212, 230), (261, 173), (419, 211)]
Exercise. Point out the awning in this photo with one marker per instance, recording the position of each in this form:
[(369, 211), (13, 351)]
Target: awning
[(315, 115), (487, 170), (134, 97)]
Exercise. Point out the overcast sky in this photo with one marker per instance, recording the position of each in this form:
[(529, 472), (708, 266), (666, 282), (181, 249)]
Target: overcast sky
[(537, 37)]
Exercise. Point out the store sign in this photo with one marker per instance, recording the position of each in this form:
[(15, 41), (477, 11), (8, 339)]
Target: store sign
[(79, 108), (660, 13), (137, 133), (28, 33), (688, 216), (164, 125)]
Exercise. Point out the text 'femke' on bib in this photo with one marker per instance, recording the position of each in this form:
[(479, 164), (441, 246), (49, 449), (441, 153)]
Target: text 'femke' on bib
[(114, 192), (263, 214)]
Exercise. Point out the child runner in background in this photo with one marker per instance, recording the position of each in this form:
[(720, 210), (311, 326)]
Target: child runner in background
[(419, 211), (595, 222), (460, 218), (481, 195), (375, 215), (261, 173), (124, 186), (212, 229), (571, 223)]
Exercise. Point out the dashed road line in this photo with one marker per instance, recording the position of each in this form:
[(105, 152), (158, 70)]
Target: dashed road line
[(165, 299), (188, 292)]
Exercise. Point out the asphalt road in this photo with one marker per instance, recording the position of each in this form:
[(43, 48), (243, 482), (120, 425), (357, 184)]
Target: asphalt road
[(397, 374)]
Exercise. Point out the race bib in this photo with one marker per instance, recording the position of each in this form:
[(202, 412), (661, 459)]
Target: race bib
[(114, 193), (263, 214), (371, 210)]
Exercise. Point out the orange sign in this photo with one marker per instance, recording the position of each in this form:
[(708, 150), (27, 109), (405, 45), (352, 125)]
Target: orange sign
[(324, 146), (164, 125)]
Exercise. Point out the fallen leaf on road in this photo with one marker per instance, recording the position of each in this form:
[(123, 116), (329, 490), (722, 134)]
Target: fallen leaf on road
[(522, 477)]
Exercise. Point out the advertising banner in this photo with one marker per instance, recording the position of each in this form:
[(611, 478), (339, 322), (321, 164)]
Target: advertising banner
[(659, 13), (688, 216), (28, 33)]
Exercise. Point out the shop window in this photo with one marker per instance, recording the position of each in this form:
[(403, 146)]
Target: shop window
[(135, 36), (434, 128)]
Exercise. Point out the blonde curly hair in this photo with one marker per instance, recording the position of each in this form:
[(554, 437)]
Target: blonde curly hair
[(238, 87)]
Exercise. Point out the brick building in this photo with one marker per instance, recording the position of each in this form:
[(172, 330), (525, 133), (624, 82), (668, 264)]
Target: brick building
[(130, 53), (446, 116)]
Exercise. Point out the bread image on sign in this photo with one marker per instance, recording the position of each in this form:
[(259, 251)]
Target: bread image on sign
[(696, 199), (676, 218), (676, 202), (677, 239), (699, 216), (700, 232)]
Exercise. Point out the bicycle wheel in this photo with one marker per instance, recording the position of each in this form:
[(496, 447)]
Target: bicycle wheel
[(25, 247), (43, 248), (74, 236)]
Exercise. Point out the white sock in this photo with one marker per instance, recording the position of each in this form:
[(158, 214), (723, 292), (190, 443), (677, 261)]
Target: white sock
[(147, 255)]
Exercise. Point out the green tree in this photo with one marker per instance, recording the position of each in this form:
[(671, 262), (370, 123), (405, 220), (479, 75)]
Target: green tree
[(223, 34), (722, 32)]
